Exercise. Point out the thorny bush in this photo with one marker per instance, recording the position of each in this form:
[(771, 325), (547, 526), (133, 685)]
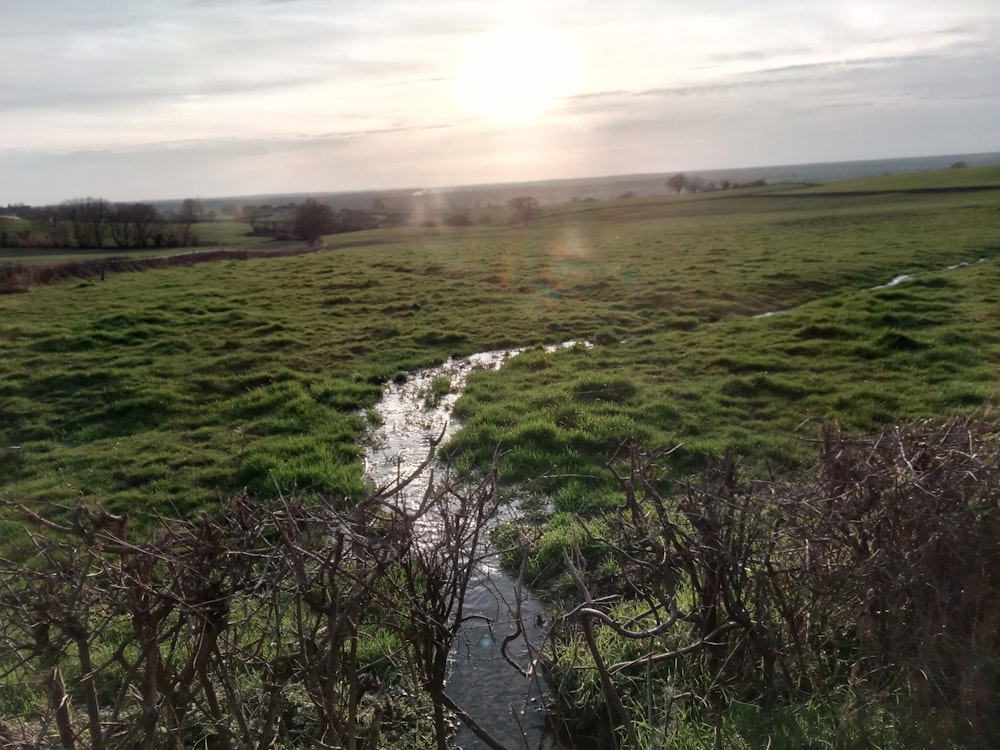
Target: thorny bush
[(877, 572), (284, 624), (277, 624)]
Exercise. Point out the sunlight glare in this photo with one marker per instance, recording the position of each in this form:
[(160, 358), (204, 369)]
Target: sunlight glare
[(513, 75)]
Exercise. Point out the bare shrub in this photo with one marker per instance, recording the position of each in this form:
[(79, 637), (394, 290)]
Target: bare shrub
[(267, 623), (876, 571)]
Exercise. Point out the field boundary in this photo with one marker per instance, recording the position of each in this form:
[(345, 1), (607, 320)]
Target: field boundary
[(17, 278), (887, 191)]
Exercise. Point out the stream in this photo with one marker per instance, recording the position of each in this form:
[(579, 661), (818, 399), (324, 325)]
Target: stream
[(495, 695), (894, 281)]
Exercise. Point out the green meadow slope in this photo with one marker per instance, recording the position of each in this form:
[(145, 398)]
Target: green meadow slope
[(966, 178), (159, 392)]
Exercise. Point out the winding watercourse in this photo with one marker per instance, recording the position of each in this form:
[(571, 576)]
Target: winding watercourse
[(495, 695)]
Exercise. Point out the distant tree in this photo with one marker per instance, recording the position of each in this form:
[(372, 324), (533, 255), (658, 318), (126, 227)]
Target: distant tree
[(627, 195), (120, 226), (312, 220), (132, 224), (458, 220), (352, 220), (190, 214), (20, 210), (678, 182), (959, 165), (524, 208), (54, 225), (88, 218), (191, 208), (695, 185), (9, 230), (143, 217)]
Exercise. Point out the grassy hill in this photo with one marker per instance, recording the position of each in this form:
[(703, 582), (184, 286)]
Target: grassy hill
[(157, 392), (724, 323), (968, 178), (211, 235)]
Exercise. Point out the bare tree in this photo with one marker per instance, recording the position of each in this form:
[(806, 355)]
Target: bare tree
[(678, 182), (54, 224), (524, 208), (435, 577), (132, 225), (120, 227), (866, 574), (247, 630), (144, 218), (190, 213), (88, 219)]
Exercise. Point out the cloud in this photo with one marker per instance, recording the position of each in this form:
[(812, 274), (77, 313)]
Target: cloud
[(97, 96), (267, 93), (826, 65), (785, 75), (758, 55)]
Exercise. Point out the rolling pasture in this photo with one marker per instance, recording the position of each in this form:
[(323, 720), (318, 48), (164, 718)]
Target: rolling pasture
[(965, 178), (159, 392), (736, 323), (211, 236)]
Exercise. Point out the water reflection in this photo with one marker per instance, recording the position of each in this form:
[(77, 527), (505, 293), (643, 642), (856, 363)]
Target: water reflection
[(415, 415)]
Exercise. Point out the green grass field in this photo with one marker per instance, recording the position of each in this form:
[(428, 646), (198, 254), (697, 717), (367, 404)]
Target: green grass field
[(734, 321), (211, 236), (944, 179), (158, 392)]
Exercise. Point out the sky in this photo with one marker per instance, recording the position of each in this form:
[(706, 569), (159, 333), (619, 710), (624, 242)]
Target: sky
[(157, 99)]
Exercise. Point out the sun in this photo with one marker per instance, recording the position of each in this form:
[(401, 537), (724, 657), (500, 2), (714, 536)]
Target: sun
[(513, 75)]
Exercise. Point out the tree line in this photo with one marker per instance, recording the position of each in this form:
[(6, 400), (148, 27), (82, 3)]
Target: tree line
[(96, 223), (681, 182)]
